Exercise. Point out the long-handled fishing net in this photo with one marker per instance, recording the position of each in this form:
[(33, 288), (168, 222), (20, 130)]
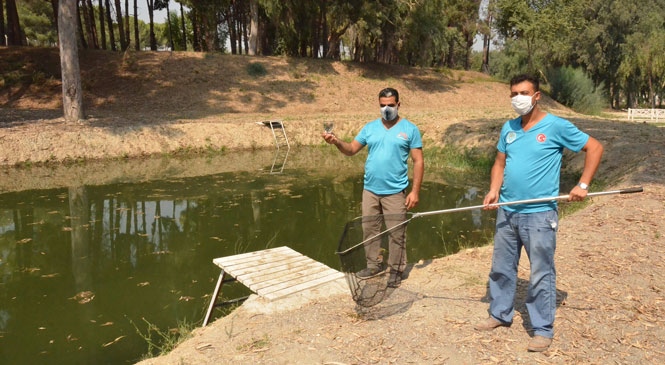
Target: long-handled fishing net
[(373, 262)]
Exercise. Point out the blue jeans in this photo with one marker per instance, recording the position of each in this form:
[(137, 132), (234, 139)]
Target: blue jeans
[(536, 232)]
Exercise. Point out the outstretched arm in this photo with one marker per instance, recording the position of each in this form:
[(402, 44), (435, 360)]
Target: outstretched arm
[(347, 148)]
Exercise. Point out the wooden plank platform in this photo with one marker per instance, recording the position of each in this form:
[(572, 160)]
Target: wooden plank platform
[(273, 273)]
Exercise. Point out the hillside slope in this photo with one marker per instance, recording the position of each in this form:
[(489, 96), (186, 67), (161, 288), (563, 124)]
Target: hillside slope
[(186, 101)]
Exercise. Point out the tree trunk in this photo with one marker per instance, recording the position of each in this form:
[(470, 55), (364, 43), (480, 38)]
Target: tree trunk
[(79, 23), (102, 26), (232, 32), (325, 37), (137, 44), (127, 28), (469, 37), (93, 26), (315, 33), (109, 21), (168, 20), (196, 41), (210, 34), (245, 33), (121, 27), (652, 96), (90, 28), (72, 91), (151, 15), (253, 27), (14, 32), (486, 45), (54, 7), (184, 32), (267, 34), (450, 56), (2, 24)]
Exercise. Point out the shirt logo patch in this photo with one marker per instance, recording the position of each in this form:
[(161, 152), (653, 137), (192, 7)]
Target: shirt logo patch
[(402, 135), (510, 137), (541, 138)]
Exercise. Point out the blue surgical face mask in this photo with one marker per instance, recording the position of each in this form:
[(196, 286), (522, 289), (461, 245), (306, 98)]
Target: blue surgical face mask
[(388, 113)]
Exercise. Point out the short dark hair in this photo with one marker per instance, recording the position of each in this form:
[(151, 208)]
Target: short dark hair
[(526, 77), (388, 92)]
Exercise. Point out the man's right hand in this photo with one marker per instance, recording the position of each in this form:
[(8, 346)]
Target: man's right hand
[(329, 138), (491, 198)]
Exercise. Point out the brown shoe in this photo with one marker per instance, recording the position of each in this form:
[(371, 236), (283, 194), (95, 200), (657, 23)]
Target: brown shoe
[(539, 344), (489, 324)]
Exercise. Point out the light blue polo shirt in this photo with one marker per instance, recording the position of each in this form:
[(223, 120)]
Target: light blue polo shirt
[(533, 160), (388, 151)]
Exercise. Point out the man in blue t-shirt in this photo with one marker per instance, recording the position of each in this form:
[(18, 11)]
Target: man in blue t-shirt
[(527, 166), (390, 141)]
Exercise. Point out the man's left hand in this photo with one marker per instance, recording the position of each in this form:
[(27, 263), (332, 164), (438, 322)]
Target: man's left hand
[(411, 200), (577, 194)]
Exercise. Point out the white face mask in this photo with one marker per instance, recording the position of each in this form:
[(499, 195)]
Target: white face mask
[(388, 113), (522, 104)]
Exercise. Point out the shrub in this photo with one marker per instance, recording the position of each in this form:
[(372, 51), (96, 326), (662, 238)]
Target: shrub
[(573, 88), (256, 69)]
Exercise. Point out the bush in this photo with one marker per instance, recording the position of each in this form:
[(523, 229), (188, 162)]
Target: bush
[(256, 69), (573, 88)]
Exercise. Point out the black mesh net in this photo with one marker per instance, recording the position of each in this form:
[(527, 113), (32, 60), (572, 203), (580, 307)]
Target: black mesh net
[(372, 251)]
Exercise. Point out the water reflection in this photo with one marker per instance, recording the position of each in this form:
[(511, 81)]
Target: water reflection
[(87, 267)]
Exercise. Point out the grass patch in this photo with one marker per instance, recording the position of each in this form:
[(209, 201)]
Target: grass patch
[(459, 164), (255, 345), (161, 342), (458, 158)]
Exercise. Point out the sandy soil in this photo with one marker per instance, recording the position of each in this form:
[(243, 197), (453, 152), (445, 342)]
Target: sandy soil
[(610, 256)]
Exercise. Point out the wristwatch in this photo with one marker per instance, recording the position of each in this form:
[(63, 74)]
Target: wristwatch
[(583, 186)]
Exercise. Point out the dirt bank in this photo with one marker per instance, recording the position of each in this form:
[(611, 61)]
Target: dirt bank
[(610, 255)]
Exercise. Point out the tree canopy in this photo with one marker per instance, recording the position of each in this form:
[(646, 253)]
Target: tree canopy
[(618, 44)]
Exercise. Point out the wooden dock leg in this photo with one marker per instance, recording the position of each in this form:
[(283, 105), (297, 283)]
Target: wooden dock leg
[(213, 299)]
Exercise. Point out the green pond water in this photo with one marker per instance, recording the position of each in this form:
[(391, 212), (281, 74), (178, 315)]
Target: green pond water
[(86, 269)]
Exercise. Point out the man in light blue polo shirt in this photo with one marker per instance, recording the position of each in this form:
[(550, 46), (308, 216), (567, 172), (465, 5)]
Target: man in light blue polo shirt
[(390, 141), (527, 166)]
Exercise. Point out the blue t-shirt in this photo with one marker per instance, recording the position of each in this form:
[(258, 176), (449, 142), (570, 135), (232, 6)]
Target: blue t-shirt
[(533, 160), (388, 152)]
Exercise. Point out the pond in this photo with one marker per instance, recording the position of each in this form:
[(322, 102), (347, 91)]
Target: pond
[(87, 269)]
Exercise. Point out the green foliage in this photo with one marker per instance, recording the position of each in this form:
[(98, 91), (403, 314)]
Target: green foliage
[(180, 43), (458, 160), (642, 69), (12, 78), (256, 69), (620, 44), (37, 23), (510, 61), (426, 34), (573, 88)]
